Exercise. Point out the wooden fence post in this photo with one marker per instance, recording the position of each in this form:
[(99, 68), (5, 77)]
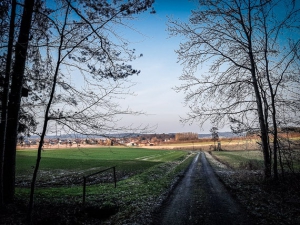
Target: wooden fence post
[(115, 179), (85, 177), (83, 194)]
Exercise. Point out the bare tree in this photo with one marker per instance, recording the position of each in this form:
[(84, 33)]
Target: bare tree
[(16, 86), (5, 82), (242, 46), (214, 136), (76, 55), (89, 65), (15, 47)]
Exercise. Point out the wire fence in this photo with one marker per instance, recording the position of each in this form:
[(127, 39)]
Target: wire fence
[(93, 174)]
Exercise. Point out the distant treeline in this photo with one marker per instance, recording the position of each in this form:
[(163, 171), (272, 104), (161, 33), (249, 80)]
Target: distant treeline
[(280, 130), (291, 129), (156, 136), (189, 136)]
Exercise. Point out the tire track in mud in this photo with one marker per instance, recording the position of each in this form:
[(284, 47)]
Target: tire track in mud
[(200, 198)]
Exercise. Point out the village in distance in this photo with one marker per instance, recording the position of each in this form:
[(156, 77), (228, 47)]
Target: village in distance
[(138, 140)]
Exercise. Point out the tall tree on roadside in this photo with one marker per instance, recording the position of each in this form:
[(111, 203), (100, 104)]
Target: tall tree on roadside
[(17, 76), (5, 80), (249, 52)]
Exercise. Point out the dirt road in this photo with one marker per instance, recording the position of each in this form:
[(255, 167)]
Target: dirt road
[(200, 198)]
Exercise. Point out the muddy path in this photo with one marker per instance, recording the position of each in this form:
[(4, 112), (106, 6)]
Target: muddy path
[(200, 198)]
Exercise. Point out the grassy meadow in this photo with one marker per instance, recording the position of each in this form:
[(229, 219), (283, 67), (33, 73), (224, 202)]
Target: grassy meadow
[(227, 144), (240, 159), (142, 174), (253, 160), (78, 159), (144, 177), (70, 165)]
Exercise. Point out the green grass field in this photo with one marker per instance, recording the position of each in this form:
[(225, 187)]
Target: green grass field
[(62, 170), (143, 176), (240, 159), (252, 159), (125, 159)]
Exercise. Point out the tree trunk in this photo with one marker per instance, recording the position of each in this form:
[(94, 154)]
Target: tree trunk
[(272, 94), (262, 124), (263, 133), (280, 162), (5, 95), (15, 101), (46, 120), (275, 141)]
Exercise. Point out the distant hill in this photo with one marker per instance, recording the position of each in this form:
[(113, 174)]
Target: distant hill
[(221, 135), (123, 135)]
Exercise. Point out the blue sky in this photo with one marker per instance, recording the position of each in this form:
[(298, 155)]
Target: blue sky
[(159, 69)]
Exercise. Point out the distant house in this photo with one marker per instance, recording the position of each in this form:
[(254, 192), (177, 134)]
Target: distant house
[(27, 142), (131, 144)]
